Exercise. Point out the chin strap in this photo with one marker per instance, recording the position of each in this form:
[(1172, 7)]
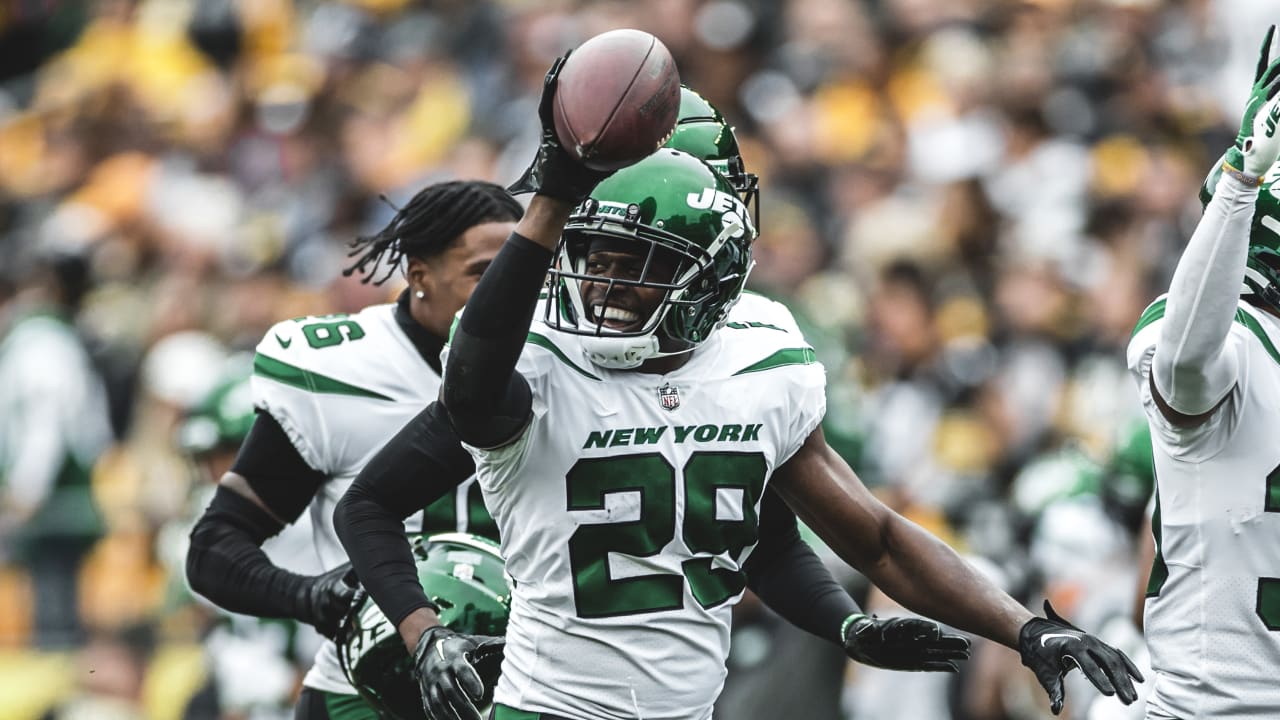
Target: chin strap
[(620, 353)]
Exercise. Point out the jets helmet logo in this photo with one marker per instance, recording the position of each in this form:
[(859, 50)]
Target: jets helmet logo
[(732, 212), (669, 397)]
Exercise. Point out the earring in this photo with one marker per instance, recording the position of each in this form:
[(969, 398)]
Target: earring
[(420, 294)]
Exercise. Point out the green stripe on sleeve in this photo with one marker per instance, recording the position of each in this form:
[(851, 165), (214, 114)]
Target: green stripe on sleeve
[(1154, 312), (544, 342), (282, 372), (788, 356)]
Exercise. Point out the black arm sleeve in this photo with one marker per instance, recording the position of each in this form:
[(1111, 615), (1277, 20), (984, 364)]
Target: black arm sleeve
[(419, 465), (488, 402), (274, 469), (225, 562), (788, 576)]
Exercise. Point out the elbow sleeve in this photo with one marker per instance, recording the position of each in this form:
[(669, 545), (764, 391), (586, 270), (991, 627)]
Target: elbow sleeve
[(225, 562), (487, 400), (419, 465)]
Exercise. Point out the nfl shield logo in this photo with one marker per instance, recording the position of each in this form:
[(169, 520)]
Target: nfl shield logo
[(669, 397)]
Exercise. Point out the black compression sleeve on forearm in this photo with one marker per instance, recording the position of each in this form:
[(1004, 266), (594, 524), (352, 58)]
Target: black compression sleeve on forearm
[(274, 469), (488, 402), (788, 576), (418, 466), (225, 562)]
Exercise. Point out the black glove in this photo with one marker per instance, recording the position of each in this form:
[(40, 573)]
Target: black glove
[(456, 672), (1051, 646), (325, 600), (903, 643), (554, 172)]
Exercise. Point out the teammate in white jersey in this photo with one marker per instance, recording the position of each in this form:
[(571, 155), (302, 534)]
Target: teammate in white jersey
[(623, 445), (329, 392), (1206, 362)]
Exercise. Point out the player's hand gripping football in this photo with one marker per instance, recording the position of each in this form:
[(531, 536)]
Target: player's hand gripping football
[(456, 673), (325, 600), (903, 643), (1051, 647), (554, 172)]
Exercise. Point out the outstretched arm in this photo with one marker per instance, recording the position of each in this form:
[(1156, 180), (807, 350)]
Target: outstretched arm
[(924, 575), (792, 581), (907, 563)]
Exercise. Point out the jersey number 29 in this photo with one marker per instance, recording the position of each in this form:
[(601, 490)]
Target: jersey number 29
[(708, 477)]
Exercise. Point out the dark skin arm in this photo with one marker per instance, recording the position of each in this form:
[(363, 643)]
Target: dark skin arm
[(238, 484), (908, 564)]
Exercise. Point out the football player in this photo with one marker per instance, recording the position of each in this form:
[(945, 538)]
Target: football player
[(624, 442), (210, 436), (425, 459), (329, 391), (1207, 366)]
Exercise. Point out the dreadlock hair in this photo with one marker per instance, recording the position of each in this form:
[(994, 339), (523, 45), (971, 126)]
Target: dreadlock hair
[(429, 224)]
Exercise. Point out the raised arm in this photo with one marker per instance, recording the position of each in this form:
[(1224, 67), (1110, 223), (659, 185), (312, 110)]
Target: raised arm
[(1192, 369), (486, 399)]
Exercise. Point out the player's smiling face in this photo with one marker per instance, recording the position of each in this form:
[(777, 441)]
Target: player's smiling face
[(627, 307)]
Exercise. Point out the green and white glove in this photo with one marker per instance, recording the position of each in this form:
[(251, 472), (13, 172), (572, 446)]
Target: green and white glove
[(1253, 152), (1266, 80)]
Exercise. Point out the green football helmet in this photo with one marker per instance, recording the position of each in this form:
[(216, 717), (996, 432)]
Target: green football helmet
[(464, 575), (1262, 269), (1130, 474), (703, 132), (223, 417), (673, 206)]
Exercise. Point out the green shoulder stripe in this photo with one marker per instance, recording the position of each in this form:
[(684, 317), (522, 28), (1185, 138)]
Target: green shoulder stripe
[(281, 372), (1154, 312), (545, 342), (1254, 327), (788, 356)]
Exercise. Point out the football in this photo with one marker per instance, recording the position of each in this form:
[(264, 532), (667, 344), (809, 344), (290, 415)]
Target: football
[(617, 99)]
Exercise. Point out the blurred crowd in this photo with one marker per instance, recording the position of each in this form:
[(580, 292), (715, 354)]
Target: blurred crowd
[(968, 204)]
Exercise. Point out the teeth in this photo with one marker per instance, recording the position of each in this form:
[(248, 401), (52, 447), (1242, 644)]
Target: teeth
[(608, 312)]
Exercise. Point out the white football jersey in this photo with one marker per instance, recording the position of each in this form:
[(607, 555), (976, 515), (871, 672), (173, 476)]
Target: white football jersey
[(341, 386), (628, 507), (1213, 604)]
